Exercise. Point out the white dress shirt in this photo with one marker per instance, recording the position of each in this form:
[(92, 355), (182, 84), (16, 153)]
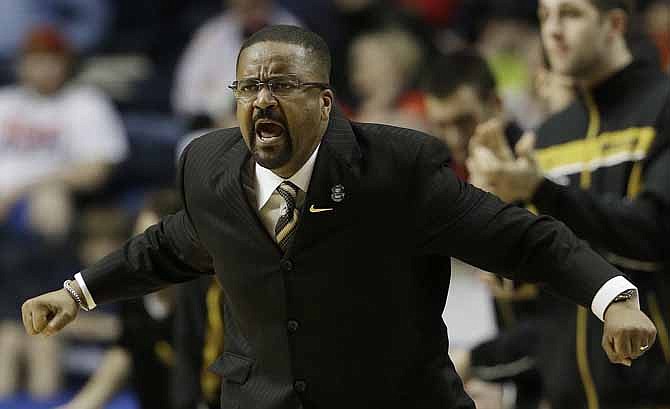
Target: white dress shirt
[(269, 202)]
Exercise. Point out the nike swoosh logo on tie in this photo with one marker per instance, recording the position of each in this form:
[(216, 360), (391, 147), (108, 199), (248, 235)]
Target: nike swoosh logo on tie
[(313, 209)]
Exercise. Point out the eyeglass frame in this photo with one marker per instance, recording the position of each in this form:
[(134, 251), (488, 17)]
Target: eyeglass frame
[(262, 84)]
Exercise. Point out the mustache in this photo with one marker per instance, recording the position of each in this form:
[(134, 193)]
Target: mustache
[(266, 113)]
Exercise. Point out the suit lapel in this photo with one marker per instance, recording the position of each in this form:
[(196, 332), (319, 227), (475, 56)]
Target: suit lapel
[(337, 167), (334, 185), (227, 182)]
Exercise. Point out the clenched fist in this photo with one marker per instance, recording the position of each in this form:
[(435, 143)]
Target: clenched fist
[(49, 313), (628, 332)]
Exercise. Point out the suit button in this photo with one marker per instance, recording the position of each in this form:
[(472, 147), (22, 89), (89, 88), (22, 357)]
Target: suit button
[(286, 265), (300, 386), (293, 326)]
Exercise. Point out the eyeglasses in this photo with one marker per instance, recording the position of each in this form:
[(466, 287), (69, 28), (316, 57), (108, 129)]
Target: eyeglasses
[(247, 90)]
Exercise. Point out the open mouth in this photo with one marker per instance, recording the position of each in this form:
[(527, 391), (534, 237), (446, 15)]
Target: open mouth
[(269, 131)]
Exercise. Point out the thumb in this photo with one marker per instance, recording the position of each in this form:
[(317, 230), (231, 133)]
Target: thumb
[(486, 159), (60, 320), (526, 145)]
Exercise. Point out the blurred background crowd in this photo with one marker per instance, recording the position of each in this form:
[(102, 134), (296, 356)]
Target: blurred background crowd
[(98, 97)]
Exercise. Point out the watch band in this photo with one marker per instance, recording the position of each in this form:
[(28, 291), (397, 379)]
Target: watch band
[(625, 296)]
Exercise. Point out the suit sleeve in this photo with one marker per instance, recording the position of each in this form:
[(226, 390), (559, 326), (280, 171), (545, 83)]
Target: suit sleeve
[(167, 253), (456, 219)]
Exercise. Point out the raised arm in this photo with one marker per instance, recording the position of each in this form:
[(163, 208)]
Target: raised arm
[(459, 220), (166, 253)]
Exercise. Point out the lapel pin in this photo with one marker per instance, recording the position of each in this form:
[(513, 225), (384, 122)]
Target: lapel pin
[(337, 193)]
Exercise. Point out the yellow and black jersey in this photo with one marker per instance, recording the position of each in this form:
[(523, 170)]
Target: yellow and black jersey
[(607, 164), (607, 157)]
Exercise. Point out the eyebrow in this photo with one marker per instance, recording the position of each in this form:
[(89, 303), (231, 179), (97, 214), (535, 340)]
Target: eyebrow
[(271, 76)]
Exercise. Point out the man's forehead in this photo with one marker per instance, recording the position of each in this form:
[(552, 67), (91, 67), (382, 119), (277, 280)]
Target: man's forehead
[(272, 56)]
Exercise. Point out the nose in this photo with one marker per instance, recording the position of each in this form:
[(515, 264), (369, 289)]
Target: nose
[(552, 27), (264, 98)]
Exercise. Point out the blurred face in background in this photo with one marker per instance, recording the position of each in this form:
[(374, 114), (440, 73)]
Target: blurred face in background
[(455, 117), (282, 132), (371, 74), (382, 64), (576, 36), (44, 72)]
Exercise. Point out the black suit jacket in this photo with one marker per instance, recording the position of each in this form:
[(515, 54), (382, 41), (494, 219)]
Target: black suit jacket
[(350, 316)]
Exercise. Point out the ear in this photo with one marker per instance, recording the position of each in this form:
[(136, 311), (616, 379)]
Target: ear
[(327, 100), (618, 20)]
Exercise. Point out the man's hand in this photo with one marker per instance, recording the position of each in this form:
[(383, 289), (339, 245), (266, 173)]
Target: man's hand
[(491, 135), (49, 313), (493, 169), (628, 332)]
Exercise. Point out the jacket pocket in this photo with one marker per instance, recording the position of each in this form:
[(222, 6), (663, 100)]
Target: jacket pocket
[(232, 367)]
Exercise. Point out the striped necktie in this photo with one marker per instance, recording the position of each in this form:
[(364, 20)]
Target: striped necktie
[(288, 219)]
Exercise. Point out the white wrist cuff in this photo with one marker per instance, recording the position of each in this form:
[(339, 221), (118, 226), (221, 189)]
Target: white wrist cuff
[(608, 293), (84, 289)]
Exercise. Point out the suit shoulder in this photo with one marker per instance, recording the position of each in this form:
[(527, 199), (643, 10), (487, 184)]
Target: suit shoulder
[(389, 133), (212, 144), (402, 144), (200, 155)]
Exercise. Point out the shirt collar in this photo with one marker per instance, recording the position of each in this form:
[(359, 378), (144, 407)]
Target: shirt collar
[(267, 181)]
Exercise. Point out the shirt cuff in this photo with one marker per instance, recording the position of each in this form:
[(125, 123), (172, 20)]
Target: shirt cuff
[(608, 292), (90, 303)]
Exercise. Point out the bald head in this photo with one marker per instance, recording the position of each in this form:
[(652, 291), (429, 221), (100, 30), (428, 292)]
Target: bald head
[(311, 42)]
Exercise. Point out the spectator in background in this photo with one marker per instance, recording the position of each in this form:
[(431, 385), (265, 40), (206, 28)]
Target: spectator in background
[(601, 167), (208, 65), (56, 139), (461, 95), (82, 22), (136, 62), (384, 89), (358, 17), (53, 132)]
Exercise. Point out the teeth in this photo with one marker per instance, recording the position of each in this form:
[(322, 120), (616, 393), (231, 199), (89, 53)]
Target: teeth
[(265, 138)]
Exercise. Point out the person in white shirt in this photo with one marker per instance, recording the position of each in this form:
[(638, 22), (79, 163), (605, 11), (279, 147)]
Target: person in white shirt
[(56, 138), (207, 66)]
